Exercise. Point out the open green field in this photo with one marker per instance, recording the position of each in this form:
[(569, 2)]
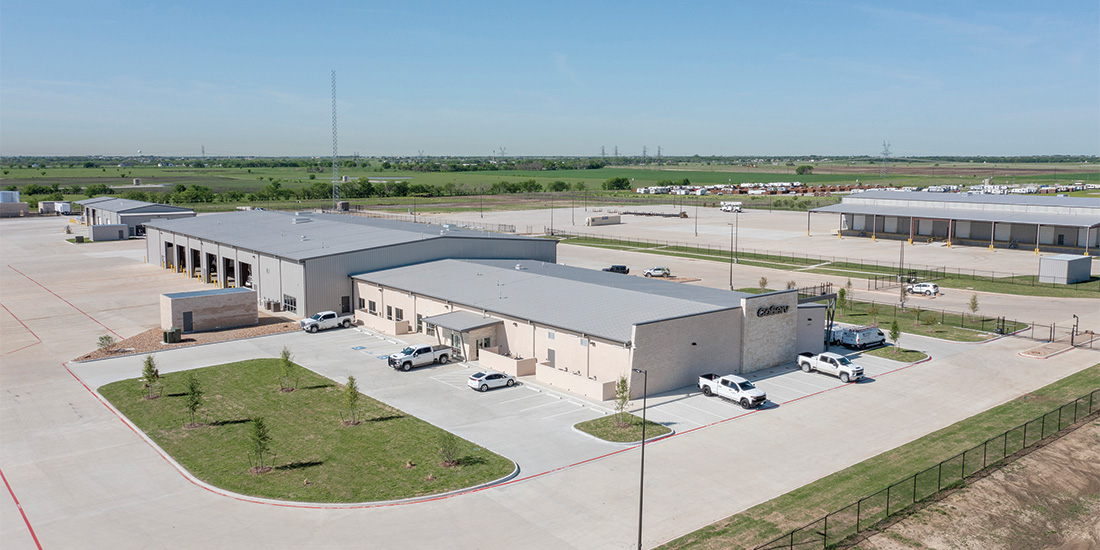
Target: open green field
[(768, 520), (316, 457)]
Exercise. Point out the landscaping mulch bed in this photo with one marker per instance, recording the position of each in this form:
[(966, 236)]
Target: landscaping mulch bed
[(152, 340)]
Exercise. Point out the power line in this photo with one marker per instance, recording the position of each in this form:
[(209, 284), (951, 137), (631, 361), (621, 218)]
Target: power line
[(885, 157)]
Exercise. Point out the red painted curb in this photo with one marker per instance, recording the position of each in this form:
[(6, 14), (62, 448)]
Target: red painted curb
[(24, 326), (21, 512)]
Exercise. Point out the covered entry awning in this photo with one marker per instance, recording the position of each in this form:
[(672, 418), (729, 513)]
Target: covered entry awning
[(461, 321)]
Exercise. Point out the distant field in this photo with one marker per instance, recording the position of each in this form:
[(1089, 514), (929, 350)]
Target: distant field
[(254, 179)]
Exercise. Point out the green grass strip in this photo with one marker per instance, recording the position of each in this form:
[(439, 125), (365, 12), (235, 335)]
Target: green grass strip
[(607, 428), (318, 458)]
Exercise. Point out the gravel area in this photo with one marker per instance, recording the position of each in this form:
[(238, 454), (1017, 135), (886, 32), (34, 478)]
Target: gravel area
[(153, 339)]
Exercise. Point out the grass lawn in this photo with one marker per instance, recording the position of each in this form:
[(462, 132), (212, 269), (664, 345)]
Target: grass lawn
[(607, 428), (317, 458), (809, 502), (902, 354), (925, 322)]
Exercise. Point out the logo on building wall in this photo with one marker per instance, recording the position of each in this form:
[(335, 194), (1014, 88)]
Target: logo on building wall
[(771, 310)]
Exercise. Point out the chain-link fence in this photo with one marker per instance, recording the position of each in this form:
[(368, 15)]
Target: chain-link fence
[(871, 510)]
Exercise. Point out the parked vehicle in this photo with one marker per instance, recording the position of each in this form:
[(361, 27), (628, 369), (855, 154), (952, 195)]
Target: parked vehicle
[(483, 381), (326, 320), (830, 363), (928, 289), (617, 269), (419, 356), (857, 337), (658, 272), (731, 206), (734, 388)]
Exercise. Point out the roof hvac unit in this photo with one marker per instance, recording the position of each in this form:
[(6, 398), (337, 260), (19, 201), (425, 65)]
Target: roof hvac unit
[(301, 219)]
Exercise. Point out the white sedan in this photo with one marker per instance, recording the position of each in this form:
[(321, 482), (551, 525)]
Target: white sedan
[(482, 381)]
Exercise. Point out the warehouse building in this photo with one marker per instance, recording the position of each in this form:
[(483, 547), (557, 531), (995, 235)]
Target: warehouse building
[(1046, 223), (302, 262), (579, 330), (130, 215)]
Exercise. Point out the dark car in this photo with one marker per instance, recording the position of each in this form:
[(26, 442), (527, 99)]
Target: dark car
[(617, 269)]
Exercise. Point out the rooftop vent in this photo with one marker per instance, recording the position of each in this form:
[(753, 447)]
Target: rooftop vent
[(301, 219)]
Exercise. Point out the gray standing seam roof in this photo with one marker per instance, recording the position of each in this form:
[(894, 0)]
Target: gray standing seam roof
[(122, 205), (980, 198), (275, 233), (595, 303)]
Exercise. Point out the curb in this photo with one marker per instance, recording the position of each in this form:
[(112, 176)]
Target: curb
[(87, 361)]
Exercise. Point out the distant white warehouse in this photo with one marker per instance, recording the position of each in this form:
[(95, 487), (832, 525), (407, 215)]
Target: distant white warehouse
[(1048, 223)]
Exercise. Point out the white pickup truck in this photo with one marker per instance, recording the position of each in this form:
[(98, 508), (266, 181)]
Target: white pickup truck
[(419, 356), (831, 363), (325, 320), (734, 388)]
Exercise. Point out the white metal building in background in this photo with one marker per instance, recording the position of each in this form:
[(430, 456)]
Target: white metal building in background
[(302, 262), (1048, 223), (133, 214)]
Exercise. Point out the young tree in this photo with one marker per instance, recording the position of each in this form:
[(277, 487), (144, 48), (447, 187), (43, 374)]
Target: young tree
[(448, 449), (842, 298), (973, 305), (849, 294), (260, 441), (351, 397), (149, 375), (622, 397), (763, 283), (194, 395), (791, 284), (286, 371), (106, 342), (895, 335), (872, 310)]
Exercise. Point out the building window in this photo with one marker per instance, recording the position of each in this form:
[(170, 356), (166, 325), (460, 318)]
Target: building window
[(399, 314), (483, 342), (389, 312), (430, 329), (372, 308), (362, 303), (290, 303), (549, 335), (419, 323)]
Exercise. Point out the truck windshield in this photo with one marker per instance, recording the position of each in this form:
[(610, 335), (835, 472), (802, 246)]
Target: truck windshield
[(316, 317), (844, 361), (407, 351), (746, 385)]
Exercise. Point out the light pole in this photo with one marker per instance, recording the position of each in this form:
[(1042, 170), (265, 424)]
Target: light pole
[(551, 214), (731, 254), (736, 233), (641, 471), (696, 218)]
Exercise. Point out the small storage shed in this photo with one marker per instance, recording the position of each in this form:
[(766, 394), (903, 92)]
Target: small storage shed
[(112, 232), (209, 309), (1065, 269)]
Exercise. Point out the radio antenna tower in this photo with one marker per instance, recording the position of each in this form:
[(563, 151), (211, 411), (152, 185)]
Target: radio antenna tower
[(335, 166), (645, 153), (603, 152), (658, 154), (885, 157)]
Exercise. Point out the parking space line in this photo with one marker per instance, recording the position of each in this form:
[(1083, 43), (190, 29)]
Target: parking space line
[(703, 410), (686, 420), (782, 387), (579, 408), (543, 405), (521, 398)]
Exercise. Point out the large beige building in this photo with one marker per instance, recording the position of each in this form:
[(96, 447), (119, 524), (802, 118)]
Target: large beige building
[(580, 330)]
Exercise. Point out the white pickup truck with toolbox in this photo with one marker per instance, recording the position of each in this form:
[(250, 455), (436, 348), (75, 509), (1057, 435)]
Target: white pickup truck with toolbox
[(831, 363), (325, 320), (734, 388), (419, 356)]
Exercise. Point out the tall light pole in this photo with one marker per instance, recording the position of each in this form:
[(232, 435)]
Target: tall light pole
[(731, 254), (736, 233), (696, 218), (551, 214), (641, 471)]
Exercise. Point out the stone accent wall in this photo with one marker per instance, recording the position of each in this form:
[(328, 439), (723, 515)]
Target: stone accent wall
[(769, 330), (211, 311)]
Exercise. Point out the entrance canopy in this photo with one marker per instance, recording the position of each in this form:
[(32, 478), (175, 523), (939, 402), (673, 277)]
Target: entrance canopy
[(461, 321)]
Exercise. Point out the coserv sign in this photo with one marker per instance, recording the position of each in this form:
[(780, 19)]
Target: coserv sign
[(771, 310)]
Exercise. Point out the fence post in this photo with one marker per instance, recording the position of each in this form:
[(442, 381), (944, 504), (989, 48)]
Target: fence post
[(888, 500), (985, 452), (1043, 429), (914, 488), (859, 504), (1023, 445), (939, 477), (1004, 454), (825, 538), (1060, 417)]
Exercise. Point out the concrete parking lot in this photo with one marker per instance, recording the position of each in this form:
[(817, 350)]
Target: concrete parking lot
[(84, 479)]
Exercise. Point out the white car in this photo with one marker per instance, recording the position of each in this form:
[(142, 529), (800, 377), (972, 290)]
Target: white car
[(658, 272), (482, 381), (928, 289)]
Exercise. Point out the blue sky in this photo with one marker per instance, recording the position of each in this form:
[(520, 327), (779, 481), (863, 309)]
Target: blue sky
[(550, 78)]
